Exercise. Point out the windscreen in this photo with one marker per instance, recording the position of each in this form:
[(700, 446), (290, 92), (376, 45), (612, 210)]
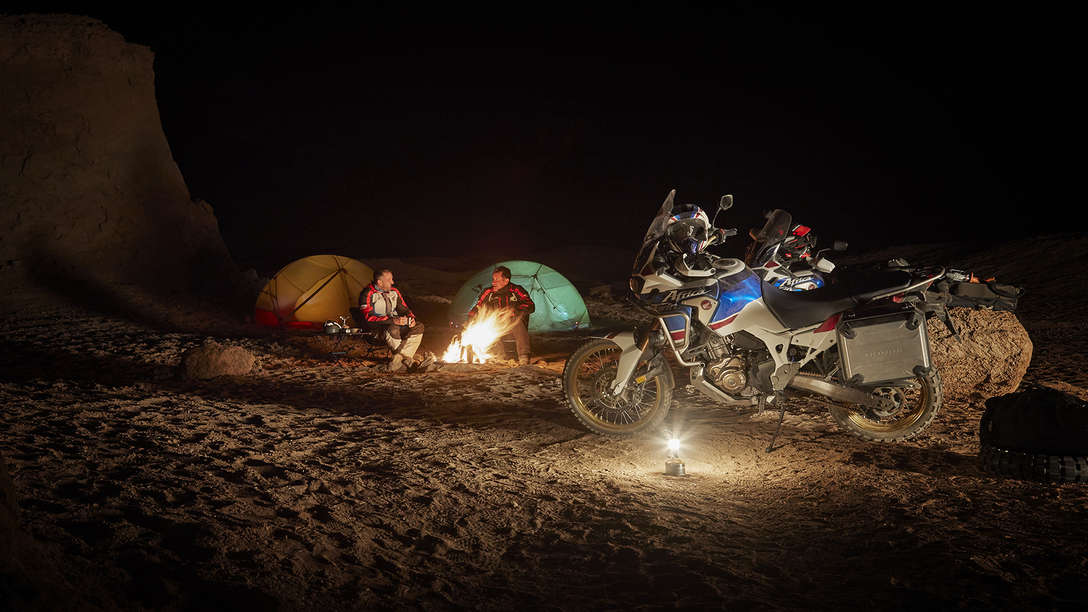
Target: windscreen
[(776, 228), (773, 231), (654, 233)]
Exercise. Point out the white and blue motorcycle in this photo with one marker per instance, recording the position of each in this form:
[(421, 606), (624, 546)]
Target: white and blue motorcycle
[(859, 342)]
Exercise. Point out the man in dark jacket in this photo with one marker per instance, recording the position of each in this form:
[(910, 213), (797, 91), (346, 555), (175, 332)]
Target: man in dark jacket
[(383, 307), (512, 298)]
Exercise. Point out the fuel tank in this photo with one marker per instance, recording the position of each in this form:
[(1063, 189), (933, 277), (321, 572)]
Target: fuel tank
[(734, 287)]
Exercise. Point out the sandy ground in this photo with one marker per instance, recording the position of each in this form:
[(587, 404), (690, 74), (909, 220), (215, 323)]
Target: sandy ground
[(319, 482)]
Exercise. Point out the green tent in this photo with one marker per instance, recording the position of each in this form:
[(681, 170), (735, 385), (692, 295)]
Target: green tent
[(559, 306)]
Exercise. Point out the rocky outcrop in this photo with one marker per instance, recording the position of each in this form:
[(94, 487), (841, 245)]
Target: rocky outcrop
[(989, 358), (213, 359), (89, 190)]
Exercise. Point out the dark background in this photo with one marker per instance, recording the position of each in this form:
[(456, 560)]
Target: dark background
[(419, 131)]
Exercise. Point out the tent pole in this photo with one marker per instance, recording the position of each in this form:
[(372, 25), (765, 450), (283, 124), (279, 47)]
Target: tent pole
[(337, 275)]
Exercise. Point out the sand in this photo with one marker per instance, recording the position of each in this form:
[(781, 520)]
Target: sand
[(317, 481)]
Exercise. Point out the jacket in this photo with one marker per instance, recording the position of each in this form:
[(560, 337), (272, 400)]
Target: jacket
[(378, 306), (511, 296)]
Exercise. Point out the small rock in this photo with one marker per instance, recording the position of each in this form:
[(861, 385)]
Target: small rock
[(213, 359), (601, 291)]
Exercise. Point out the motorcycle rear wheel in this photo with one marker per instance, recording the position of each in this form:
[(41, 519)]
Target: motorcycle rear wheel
[(915, 410), (586, 377)]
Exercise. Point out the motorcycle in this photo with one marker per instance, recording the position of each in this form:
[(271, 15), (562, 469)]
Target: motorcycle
[(785, 255), (859, 342)]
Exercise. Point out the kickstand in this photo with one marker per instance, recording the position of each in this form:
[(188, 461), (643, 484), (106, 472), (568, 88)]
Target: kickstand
[(781, 417)]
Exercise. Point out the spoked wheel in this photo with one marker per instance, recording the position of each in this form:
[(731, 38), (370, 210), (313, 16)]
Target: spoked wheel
[(908, 410), (587, 379)]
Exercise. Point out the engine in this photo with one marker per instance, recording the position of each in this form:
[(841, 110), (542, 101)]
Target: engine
[(728, 374), (725, 369)]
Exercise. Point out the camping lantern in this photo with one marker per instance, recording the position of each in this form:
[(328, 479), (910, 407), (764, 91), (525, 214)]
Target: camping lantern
[(674, 466)]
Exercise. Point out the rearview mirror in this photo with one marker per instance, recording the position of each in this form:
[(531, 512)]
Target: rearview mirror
[(726, 202)]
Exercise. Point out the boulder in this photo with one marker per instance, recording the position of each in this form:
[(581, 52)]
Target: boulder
[(213, 359), (989, 358)]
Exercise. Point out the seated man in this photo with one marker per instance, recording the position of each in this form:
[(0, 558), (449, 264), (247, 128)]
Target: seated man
[(383, 307), (513, 299)]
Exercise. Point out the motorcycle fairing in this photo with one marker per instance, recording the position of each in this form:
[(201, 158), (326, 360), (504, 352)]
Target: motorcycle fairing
[(734, 293), (806, 282), (702, 307), (678, 325)]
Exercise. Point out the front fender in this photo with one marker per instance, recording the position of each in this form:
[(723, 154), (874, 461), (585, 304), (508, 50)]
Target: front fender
[(629, 358), (632, 354)]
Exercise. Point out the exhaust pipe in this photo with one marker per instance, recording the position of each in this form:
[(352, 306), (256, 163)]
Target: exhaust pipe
[(840, 393)]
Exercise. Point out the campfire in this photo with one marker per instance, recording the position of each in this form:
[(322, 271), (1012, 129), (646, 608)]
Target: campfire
[(477, 338)]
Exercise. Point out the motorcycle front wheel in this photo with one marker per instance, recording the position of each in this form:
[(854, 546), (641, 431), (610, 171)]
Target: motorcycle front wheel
[(587, 376), (913, 407)]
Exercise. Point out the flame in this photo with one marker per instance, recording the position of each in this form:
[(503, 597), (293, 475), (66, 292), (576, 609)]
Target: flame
[(483, 332)]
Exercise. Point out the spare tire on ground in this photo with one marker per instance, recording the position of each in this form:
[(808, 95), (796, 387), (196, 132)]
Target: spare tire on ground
[(1035, 434)]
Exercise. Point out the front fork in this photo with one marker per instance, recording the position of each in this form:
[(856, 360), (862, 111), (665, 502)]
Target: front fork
[(635, 350)]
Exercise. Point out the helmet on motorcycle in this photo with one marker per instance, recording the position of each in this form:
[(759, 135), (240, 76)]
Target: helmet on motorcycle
[(688, 229), (799, 244)]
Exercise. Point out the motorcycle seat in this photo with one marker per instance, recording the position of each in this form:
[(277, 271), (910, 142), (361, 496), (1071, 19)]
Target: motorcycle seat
[(803, 308)]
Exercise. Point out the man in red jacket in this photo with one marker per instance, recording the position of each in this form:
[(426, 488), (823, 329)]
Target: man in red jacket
[(383, 306), (512, 298)]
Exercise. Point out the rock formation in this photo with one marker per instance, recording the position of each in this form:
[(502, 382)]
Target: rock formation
[(990, 357), (89, 190)]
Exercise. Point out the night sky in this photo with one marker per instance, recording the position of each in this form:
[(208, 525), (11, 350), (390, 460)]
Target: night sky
[(400, 132)]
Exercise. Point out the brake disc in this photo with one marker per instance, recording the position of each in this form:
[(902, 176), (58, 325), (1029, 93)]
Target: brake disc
[(602, 392), (891, 401)]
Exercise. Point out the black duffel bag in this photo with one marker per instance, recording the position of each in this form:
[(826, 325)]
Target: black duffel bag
[(989, 295)]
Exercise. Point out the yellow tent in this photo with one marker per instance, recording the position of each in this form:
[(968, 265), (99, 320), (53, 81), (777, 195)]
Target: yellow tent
[(312, 290)]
